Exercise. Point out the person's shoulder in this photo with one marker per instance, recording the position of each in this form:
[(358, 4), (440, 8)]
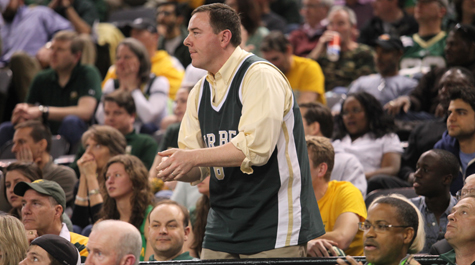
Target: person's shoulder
[(39, 10), (305, 62), (88, 69), (363, 48), (77, 238), (145, 138)]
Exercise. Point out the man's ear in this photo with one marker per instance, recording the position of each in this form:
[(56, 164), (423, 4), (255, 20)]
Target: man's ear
[(447, 179), (58, 210), (322, 169), (408, 235), (225, 37), (128, 259), (187, 232), (43, 144)]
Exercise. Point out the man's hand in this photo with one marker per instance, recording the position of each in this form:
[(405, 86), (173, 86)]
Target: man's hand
[(19, 113), (320, 248), (394, 106), (25, 154), (31, 235), (349, 260), (322, 41), (175, 164)]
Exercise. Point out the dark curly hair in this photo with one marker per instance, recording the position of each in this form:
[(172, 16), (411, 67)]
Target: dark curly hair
[(380, 123), (142, 196), (199, 226)]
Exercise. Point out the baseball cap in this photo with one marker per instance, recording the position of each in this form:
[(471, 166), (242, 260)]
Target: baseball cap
[(45, 187), (59, 248), (444, 3), (389, 43), (143, 23)]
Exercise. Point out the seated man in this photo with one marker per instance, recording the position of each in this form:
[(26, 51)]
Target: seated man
[(32, 143), (43, 204), (340, 202), (65, 95), (461, 233), (318, 121), (170, 220), (394, 228), (305, 75), (436, 169), (51, 250), (119, 113), (387, 84), (114, 241), (354, 59)]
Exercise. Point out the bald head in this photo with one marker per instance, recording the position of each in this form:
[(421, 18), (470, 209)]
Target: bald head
[(120, 242)]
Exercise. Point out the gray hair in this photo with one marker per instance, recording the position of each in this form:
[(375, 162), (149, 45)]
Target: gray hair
[(327, 3), (349, 11), (128, 240)]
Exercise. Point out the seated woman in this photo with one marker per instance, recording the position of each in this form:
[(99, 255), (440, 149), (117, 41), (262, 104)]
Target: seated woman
[(101, 143), (365, 130), (127, 195), (150, 92), (13, 242), (18, 172)]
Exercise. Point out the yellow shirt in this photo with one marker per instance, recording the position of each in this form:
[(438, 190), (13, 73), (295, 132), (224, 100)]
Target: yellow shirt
[(161, 66), (266, 98), (306, 75), (342, 197)]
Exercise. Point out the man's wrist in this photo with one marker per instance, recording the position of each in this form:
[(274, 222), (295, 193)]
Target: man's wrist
[(44, 112)]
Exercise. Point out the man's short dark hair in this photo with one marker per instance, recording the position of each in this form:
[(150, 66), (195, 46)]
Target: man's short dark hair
[(223, 17), (448, 164), (38, 132), (180, 8), (317, 112), (184, 210), (275, 41), (465, 93), (123, 99), (77, 45)]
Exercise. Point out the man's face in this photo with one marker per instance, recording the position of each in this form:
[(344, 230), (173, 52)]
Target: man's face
[(428, 181), (387, 60), (460, 228), (22, 140), (166, 17), (117, 117), (167, 233), (181, 99), (451, 78), (313, 11), (36, 256), (146, 37), (279, 59), (203, 44), (101, 248), (385, 247), (458, 51), (37, 212), (61, 56), (382, 7), (339, 21), (428, 10), (461, 120)]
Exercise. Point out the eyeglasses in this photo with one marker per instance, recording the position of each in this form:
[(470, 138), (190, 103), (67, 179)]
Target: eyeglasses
[(378, 227), (461, 193), (165, 13)]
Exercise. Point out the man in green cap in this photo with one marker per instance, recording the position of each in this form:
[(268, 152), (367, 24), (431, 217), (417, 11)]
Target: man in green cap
[(43, 204)]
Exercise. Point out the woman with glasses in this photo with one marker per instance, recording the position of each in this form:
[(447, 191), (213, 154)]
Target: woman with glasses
[(366, 131)]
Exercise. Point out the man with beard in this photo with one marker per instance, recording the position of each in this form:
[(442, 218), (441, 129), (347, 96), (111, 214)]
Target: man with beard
[(423, 100), (436, 169), (459, 138), (170, 18), (24, 31), (387, 84)]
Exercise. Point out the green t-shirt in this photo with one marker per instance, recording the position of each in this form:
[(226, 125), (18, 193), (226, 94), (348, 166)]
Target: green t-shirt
[(182, 256)]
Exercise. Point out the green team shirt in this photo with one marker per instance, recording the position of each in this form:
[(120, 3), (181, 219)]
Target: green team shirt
[(421, 56), (45, 90), (273, 207)]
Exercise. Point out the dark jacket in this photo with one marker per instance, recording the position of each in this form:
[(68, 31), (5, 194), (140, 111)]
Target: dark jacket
[(451, 144)]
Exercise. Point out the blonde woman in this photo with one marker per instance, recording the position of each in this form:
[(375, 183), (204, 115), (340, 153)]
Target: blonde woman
[(13, 242)]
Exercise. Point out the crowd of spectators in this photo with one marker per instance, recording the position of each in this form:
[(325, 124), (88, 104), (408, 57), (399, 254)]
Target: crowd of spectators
[(385, 88)]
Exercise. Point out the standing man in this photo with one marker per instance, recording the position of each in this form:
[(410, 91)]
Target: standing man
[(243, 125)]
